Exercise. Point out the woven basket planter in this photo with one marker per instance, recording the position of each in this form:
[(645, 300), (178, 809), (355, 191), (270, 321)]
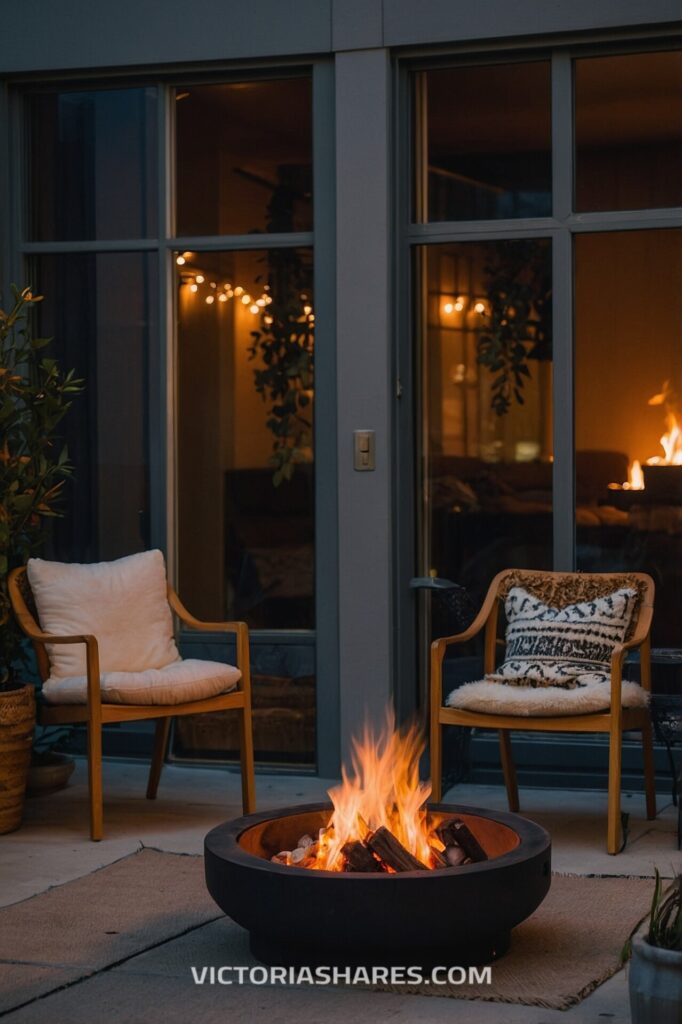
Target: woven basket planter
[(17, 722)]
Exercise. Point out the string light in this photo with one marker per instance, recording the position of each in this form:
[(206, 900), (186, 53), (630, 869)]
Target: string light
[(227, 291)]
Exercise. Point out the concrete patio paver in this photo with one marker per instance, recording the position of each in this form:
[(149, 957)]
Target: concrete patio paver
[(53, 847)]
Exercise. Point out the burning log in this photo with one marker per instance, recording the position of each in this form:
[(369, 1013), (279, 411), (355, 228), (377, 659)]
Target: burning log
[(438, 859), (454, 833), (359, 857), (387, 848)]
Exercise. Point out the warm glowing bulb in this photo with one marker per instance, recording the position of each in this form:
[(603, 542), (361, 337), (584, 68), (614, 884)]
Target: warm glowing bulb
[(311, 318), (307, 310), (193, 287), (227, 286), (254, 308), (268, 299), (213, 284), (479, 307), (260, 302), (180, 260), (239, 290), (459, 305), (209, 299), (222, 297), (303, 296), (246, 299), (200, 278), (448, 307), (229, 293), (267, 319)]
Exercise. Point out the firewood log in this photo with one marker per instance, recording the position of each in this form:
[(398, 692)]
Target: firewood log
[(454, 832), (388, 849), (359, 858)]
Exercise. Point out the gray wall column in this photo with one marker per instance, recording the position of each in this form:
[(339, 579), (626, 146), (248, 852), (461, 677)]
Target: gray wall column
[(364, 387)]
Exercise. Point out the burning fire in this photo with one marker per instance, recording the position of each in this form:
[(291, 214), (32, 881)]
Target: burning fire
[(671, 442), (383, 789)]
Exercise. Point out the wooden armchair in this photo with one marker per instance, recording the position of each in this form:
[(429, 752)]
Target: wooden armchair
[(96, 713), (558, 590)]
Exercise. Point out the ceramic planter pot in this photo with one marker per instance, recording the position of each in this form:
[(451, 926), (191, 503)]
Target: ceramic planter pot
[(17, 722), (655, 984)]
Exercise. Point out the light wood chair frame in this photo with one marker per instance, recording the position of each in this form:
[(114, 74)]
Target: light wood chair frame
[(96, 713), (614, 721)]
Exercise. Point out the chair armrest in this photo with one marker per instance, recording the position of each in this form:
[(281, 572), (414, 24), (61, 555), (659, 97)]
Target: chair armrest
[(194, 623), (439, 646), (240, 629)]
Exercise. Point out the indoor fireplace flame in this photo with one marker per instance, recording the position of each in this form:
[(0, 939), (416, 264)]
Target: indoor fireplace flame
[(671, 442), (635, 480)]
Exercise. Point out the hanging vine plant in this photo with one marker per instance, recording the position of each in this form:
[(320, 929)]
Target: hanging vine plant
[(285, 339), (285, 344), (518, 324)]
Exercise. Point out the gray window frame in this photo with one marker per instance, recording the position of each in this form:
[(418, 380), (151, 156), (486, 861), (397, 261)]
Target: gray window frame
[(561, 228), (16, 256)]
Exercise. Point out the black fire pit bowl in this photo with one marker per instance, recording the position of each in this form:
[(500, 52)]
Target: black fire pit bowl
[(451, 916)]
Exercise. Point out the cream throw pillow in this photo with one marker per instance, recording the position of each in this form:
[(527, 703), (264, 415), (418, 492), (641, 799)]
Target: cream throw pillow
[(122, 603)]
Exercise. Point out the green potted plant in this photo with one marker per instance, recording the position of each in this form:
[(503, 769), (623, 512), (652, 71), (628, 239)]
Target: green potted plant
[(34, 396), (656, 967)]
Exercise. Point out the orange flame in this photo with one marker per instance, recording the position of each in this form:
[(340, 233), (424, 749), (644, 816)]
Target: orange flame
[(671, 441), (382, 789), (635, 480)]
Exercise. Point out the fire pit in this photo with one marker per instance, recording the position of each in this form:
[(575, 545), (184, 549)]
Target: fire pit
[(377, 877), (301, 917)]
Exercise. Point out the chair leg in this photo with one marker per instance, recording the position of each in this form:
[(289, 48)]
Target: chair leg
[(248, 776), (615, 758), (160, 744), (649, 772), (95, 779), (436, 756), (508, 769)]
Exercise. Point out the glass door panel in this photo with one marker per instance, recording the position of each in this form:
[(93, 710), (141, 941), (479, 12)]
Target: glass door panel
[(246, 515), (485, 449), (628, 413)]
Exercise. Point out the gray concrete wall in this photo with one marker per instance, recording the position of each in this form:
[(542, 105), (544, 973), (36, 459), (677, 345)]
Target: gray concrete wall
[(43, 35)]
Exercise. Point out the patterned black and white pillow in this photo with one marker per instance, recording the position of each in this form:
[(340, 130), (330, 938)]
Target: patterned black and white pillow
[(566, 647)]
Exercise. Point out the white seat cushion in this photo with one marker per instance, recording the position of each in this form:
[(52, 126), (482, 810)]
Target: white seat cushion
[(492, 698), (178, 683), (123, 604)]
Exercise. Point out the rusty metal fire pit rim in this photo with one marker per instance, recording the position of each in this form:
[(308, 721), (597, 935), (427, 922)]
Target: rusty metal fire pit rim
[(533, 839)]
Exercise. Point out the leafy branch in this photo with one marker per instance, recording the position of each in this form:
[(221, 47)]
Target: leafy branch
[(518, 323), (285, 345), (35, 394)]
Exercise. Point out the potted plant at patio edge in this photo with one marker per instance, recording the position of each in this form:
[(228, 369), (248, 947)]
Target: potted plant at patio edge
[(34, 396), (655, 980)]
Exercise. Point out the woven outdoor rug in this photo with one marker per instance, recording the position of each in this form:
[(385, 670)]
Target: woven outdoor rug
[(565, 950)]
